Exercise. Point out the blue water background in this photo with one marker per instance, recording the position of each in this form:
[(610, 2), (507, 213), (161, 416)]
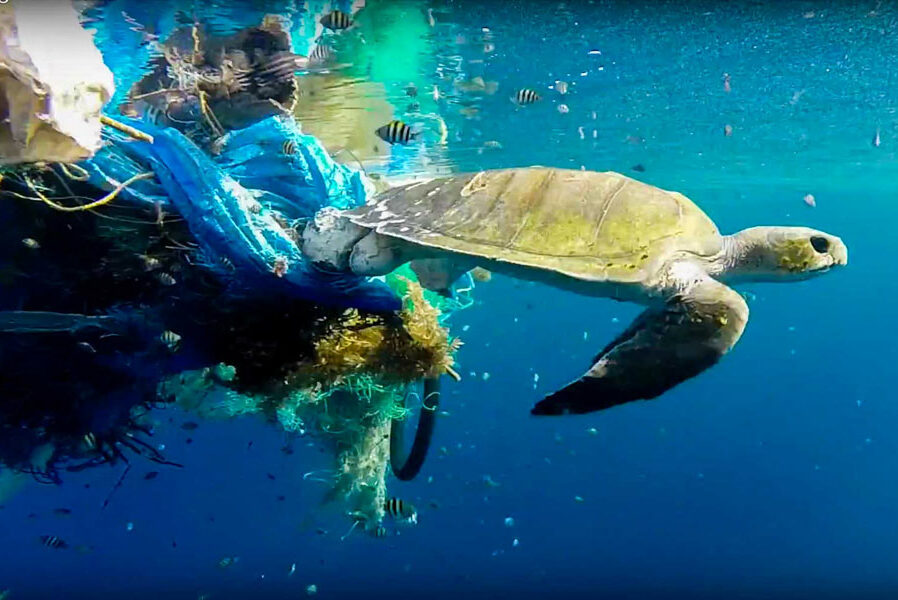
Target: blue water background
[(772, 475)]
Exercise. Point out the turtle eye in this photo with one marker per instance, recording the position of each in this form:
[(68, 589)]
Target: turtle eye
[(820, 244)]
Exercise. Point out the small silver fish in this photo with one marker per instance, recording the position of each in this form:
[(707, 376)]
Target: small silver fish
[(396, 132), (525, 96), (151, 263), (336, 20), (90, 440), (228, 561), (166, 279), (171, 339)]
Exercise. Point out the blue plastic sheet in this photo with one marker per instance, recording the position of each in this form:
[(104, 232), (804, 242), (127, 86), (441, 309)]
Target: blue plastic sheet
[(236, 225)]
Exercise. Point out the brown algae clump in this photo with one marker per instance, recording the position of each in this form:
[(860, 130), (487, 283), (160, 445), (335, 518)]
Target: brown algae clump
[(394, 350), (346, 394)]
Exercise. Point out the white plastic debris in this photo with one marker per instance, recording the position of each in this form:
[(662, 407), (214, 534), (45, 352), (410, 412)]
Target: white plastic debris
[(53, 84)]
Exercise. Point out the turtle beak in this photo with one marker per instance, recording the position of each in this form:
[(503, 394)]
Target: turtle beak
[(839, 252)]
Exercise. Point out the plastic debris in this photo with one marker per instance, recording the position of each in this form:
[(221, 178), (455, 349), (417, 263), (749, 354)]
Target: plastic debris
[(53, 84)]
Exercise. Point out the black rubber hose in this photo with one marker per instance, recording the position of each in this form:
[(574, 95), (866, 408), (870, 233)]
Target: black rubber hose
[(406, 467)]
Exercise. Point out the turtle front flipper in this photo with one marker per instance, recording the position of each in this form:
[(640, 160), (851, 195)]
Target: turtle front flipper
[(663, 347)]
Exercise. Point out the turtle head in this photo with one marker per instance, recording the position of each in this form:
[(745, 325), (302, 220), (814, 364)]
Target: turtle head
[(782, 253)]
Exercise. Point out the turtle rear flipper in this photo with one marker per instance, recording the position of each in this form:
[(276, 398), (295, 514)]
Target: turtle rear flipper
[(662, 348)]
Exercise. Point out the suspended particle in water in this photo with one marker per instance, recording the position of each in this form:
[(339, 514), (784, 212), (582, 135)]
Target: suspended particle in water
[(31, 243), (485, 376), (585, 335), (580, 131), (515, 543), (579, 499), (129, 526), (726, 82), (535, 380), (810, 200), (727, 130), (311, 590), (563, 109), (595, 52), (592, 431), (509, 522)]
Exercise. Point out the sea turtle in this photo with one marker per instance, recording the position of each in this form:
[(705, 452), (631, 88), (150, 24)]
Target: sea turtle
[(599, 234)]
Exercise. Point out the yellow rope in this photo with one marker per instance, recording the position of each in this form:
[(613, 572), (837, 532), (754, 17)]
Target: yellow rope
[(210, 116), (97, 203), (137, 135), (83, 175)]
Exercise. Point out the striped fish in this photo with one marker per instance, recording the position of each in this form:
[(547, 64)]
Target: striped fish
[(321, 54), (171, 340), (166, 279), (380, 531), (396, 132), (525, 96), (401, 510), (336, 20), (51, 541), (289, 147)]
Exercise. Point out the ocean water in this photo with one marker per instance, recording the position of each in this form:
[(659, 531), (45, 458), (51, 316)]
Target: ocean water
[(772, 475)]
